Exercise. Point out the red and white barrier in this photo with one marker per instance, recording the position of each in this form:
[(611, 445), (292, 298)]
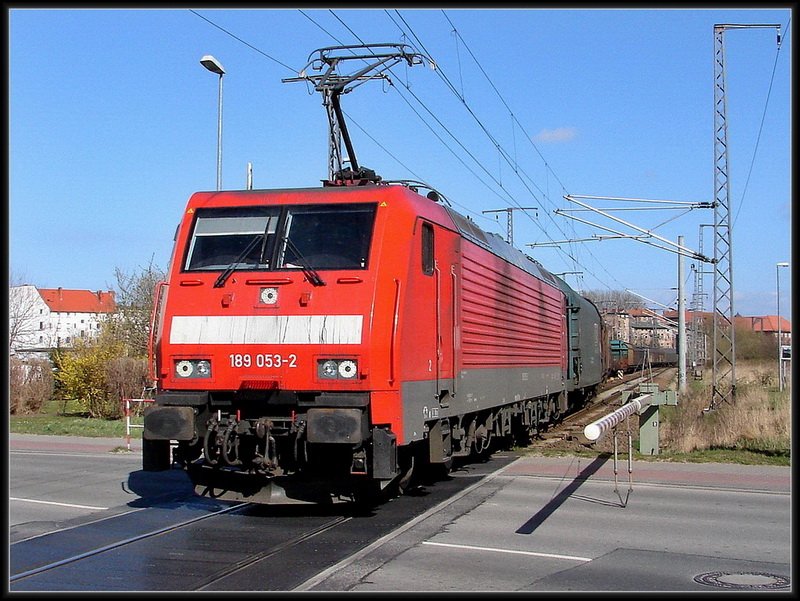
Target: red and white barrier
[(598, 428), (128, 424)]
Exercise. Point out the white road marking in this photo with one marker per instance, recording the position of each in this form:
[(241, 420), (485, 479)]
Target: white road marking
[(54, 503), (474, 548)]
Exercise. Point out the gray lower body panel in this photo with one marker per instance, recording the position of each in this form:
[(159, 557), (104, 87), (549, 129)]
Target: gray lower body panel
[(475, 390)]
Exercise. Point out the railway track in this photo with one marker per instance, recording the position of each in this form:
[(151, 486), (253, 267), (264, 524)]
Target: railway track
[(200, 544), (606, 401), (71, 560)]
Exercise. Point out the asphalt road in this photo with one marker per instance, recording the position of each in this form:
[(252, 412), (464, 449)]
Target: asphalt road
[(539, 524), (559, 525), (56, 481)]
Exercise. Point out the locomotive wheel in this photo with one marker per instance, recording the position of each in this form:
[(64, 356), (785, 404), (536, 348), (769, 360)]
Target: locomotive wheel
[(368, 494), (556, 415), (210, 449), (155, 455), (482, 443), (187, 452)]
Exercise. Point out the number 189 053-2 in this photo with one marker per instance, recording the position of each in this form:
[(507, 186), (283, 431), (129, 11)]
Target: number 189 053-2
[(265, 360)]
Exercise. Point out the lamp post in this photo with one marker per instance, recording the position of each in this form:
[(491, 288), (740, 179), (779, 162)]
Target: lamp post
[(780, 345), (681, 338), (213, 65)]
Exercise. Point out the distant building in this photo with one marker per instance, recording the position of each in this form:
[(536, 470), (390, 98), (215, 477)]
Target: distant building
[(618, 324), (643, 327), (43, 319), (768, 324), (652, 333), (648, 328)]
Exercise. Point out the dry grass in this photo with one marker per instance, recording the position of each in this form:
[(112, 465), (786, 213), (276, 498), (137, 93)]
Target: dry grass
[(759, 420)]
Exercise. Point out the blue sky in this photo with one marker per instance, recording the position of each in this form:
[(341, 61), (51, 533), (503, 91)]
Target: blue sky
[(113, 125)]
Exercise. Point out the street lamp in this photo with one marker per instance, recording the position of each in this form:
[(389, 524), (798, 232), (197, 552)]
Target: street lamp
[(780, 345), (213, 65)]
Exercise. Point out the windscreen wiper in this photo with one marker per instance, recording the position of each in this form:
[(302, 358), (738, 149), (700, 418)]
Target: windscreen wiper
[(311, 273), (223, 277)]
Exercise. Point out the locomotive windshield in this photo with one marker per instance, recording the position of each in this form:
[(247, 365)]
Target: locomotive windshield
[(290, 237), (327, 236), (221, 237)]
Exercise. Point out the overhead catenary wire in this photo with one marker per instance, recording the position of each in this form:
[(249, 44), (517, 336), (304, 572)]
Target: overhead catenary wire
[(499, 147), (503, 153), (374, 140), (763, 117), (506, 156), (499, 95), (239, 39), (272, 58)]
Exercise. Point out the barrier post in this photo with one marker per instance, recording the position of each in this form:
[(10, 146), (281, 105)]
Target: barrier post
[(650, 420), (128, 424)]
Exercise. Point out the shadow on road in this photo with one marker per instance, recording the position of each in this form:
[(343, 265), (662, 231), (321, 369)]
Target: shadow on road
[(556, 502), (155, 488)]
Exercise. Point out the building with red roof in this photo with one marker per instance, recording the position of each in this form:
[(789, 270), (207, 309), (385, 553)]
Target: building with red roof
[(768, 324), (43, 319)]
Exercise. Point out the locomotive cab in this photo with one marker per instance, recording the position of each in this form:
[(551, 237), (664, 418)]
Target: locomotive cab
[(274, 342)]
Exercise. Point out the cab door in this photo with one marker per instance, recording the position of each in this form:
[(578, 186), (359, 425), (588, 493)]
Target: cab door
[(439, 259)]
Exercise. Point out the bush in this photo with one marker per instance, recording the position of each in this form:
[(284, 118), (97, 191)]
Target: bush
[(83, 375), (755, 345), (30, 385), (126, 377)]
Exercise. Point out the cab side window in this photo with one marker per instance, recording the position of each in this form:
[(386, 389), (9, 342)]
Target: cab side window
[(427, 249)]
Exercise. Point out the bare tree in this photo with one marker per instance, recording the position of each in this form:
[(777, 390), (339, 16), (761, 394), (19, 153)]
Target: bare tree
[(131, 324), (24, 303), (614, 300)]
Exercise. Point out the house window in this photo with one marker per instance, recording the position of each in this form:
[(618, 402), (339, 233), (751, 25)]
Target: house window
[(41, 325)]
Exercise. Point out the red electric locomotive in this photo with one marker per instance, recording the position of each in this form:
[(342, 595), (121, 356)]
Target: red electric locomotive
[(316, 341), (315, 344)]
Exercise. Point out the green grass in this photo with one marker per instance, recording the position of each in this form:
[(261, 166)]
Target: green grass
[(69, 425), (60, 418)]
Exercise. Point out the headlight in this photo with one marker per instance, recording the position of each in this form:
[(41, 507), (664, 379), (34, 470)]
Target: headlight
[(328, 369), (193, 368), (268, 296), (347, 369), (184, 369), (337, 369)]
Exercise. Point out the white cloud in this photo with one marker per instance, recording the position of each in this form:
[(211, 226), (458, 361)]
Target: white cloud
[(559, 134)]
